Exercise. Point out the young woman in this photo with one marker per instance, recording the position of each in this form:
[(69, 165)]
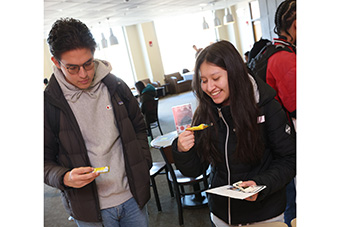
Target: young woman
[(250, 141)]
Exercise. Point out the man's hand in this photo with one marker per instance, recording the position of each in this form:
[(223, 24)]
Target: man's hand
[(79, 177)]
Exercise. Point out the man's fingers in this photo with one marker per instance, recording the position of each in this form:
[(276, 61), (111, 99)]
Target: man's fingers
[(83, 174), (82, 170)]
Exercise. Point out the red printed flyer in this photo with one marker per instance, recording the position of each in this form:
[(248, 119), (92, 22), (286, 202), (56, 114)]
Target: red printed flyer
[(182, 116)]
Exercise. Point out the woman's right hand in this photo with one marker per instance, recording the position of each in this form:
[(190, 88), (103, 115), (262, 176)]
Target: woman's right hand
[(186, 141)]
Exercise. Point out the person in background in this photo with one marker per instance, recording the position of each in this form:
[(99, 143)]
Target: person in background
[(45, 81), (97, 127), (148, 93), (247, 142), (281, 69), (281, 75), (198, 50), (257, 47), (246, 57)]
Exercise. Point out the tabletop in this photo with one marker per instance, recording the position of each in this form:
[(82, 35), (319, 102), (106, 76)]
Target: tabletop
[(164, 140)]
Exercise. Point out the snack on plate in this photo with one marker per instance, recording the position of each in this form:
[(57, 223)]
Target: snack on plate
[(104, 169), (200, 127), (244, 189)]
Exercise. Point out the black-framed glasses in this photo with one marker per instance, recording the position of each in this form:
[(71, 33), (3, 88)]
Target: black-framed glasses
[(74, 69)]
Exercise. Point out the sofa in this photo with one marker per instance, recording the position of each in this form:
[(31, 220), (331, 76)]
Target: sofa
[(176, 83), (148, 81)]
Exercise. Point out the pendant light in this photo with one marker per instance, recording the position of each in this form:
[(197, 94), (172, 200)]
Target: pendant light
[(104, 41), (217, 21), (228, 18), (205, 24), (113, 39)]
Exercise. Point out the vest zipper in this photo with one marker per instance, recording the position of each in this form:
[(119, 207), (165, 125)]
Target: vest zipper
[(226, 159)]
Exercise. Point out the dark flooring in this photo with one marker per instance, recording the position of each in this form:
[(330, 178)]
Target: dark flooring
[(56, 216)]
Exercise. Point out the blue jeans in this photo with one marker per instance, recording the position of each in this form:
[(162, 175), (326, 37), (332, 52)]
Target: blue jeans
[(124, 215), (290, 212)]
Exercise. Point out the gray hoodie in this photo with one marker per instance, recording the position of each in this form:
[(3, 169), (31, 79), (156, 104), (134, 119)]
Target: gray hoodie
[(93, 111)]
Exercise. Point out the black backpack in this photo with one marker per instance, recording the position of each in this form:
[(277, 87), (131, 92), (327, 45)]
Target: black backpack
[(258, 64)]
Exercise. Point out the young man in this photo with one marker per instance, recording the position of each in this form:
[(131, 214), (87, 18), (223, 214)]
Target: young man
[(98, 123)]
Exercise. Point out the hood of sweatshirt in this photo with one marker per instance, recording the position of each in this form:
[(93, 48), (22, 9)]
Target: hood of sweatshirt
[(71, 92)]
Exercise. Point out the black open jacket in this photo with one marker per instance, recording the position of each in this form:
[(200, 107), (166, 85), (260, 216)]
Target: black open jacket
[(276, 170), (83, 203)]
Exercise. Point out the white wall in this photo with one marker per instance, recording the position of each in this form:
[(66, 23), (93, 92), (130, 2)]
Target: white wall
[(139, 62), (47, 61), (267, 10), (177, 37), (153, 52)]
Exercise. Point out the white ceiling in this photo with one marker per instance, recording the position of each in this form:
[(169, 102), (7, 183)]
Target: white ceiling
[(124, 12)]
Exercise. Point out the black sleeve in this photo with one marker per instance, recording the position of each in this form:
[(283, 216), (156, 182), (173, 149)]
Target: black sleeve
[(282, 144), (53, 171), (187, 162), (138, 122)]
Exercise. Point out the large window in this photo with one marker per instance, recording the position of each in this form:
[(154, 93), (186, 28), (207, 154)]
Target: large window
[(255, 20), (176, 37), (117, 54)]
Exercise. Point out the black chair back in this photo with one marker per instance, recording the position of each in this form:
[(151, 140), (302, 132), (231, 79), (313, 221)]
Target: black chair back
[(150, 110), (139, 86)]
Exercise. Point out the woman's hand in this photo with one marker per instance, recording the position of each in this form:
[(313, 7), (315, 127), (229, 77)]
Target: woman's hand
[(186, 141), (247, 184)]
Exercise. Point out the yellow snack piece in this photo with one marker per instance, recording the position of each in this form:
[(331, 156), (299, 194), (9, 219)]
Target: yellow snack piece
[(104, 169), (199, 127)]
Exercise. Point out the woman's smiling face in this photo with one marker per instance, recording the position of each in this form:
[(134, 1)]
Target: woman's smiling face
[(214, 82)]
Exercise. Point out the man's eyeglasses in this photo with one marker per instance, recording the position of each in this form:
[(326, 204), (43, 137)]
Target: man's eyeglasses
[(74, 69)]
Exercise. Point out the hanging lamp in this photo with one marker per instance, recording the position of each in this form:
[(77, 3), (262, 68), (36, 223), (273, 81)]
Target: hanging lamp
[(113, 39), (205, 24), (228, 18), (217, 21), (104, 41)]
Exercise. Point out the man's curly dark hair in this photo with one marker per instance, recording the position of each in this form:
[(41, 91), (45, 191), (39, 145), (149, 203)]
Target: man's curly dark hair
[(69, 34)]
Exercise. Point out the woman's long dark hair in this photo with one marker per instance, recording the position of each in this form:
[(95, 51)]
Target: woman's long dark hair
[(243, 106)]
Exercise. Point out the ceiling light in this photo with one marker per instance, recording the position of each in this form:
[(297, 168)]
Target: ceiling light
[(205, 24), (228, 18), (113, 39), (217, 21), (104, 41)]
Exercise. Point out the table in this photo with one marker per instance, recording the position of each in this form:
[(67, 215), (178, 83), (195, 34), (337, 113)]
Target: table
[(164, 140), (164, 144)]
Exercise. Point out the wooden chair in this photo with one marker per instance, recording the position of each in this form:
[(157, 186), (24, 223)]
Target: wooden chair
[(197, 197), (157, 168)]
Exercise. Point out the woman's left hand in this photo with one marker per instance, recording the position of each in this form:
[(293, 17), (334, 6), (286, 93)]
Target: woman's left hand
[(247, 184)]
